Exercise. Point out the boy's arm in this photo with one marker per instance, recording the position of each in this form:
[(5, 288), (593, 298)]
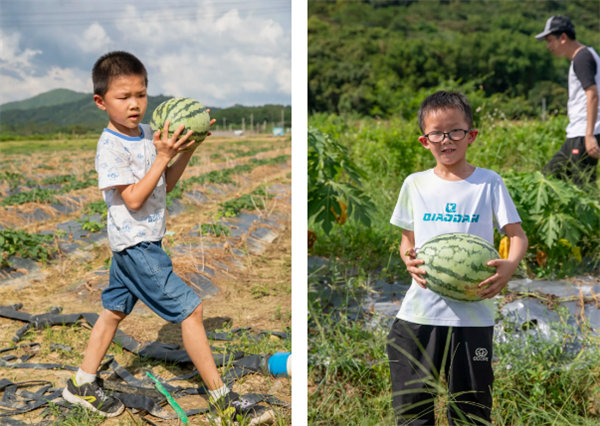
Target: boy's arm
[(135, 195), (175, 170), (408, 255), (505, 268)]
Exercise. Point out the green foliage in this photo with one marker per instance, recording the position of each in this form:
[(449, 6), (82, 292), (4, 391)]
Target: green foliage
[(45, 195), (223, 175), (64, 111), (560, 219), (36, 195), (388, 151), (368, 59), (255, 200), (347, 364), (538, 380), (333, 179), (217, 229), (543, 380), (20, 243)]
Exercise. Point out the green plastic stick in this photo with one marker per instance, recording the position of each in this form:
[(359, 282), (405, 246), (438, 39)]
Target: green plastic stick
[(182, 416)]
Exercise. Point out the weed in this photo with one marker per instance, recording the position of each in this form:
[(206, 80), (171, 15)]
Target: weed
[(217, 229), (38, 247)]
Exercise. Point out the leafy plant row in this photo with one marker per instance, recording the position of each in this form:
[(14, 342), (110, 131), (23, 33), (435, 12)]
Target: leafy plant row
[(39, 247)]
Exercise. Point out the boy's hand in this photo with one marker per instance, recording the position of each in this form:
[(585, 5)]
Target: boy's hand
[(171, 146), (213, 121), (412, 266), (494, 284)]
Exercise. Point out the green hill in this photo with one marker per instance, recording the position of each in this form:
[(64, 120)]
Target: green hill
[(51, 98), (66, 111)]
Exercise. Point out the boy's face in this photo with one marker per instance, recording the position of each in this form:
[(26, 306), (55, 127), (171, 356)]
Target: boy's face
[(125, 102), (447, 153)]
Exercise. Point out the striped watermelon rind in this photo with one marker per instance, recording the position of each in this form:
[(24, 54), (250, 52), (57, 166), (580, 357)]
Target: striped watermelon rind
[(189, 112), (455, 263)]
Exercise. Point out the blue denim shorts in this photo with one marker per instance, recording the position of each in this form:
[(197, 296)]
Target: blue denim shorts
[(145, 272)]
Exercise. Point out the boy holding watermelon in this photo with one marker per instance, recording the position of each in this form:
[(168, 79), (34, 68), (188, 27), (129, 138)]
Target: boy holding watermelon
[(134, 175), (427, 205)]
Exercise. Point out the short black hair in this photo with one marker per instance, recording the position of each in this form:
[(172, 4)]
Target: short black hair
[(115, 64), (568, 31), (444, 100)]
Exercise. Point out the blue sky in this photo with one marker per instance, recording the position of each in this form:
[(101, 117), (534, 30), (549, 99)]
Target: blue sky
[(218, 52)]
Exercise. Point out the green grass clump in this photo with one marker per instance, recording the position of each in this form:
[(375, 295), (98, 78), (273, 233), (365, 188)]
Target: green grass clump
[(254, 200), (13, 242)]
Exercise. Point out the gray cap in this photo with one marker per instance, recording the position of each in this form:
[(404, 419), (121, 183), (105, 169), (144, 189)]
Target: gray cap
[(554, 24)]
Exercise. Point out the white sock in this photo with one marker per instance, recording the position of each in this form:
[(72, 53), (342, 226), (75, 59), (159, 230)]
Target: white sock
[(82, 377), (218, 393)]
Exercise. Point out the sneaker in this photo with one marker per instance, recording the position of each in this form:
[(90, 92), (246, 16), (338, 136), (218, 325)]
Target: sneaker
[(90, 395)]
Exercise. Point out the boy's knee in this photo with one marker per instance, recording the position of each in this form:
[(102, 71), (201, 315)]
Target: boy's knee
[(196, 314), (113, 316)]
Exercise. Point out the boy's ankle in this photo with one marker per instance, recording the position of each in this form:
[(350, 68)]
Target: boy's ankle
[(82, 377), (215, 394)]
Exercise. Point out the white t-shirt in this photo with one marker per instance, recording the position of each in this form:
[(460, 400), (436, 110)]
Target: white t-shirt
[(123, 160), (429, 206)]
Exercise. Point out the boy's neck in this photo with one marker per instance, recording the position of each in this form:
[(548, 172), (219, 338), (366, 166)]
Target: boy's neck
[(125, 131), (458, 172)]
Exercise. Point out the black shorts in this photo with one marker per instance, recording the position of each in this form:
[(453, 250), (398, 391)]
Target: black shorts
[(419, 355), (573, 163)]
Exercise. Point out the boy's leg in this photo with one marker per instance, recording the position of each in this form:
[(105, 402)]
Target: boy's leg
[(470, 376), (413, 353), (198, 348), (102, 334), (87, 392)]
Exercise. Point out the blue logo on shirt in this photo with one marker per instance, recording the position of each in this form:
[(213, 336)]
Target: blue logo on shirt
[(450, 216)]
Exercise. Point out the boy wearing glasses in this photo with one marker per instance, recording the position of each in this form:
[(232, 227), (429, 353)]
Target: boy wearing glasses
[(454, 196)]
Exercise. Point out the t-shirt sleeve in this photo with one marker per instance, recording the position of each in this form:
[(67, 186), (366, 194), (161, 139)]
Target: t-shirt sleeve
[(585, 68), (505, 211), (403, 212), (112, 165)]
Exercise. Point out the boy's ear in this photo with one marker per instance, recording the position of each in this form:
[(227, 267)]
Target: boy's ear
[(99, 100), (424, 141), (472, 135)]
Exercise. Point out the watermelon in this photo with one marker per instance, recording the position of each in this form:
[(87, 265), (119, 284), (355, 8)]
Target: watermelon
[(456, 263), (186, 111)]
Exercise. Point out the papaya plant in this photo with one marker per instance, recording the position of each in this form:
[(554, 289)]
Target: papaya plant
[(561, 220), (334, 184)]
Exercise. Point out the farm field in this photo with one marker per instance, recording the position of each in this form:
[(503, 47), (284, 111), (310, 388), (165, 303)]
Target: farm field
[(228, 234), (547, 332)]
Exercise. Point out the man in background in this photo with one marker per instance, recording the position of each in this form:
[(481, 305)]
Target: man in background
[(578, 157)]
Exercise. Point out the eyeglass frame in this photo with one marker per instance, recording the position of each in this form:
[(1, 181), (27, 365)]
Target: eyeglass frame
[(447, 134)]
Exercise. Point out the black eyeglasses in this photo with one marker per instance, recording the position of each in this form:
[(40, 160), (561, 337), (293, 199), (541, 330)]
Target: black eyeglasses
[(454, 135)]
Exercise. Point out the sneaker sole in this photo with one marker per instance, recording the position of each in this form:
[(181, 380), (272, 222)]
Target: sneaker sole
[(74, 399)]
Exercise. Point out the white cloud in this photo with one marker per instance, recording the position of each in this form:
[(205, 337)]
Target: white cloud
[(11, 59), (20, 79), (95, 39), (218, 54)]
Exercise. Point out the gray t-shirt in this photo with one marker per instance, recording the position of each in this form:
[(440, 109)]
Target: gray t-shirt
[(123, 160)]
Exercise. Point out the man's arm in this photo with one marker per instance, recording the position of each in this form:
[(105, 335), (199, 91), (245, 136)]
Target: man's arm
[(591, 144)]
